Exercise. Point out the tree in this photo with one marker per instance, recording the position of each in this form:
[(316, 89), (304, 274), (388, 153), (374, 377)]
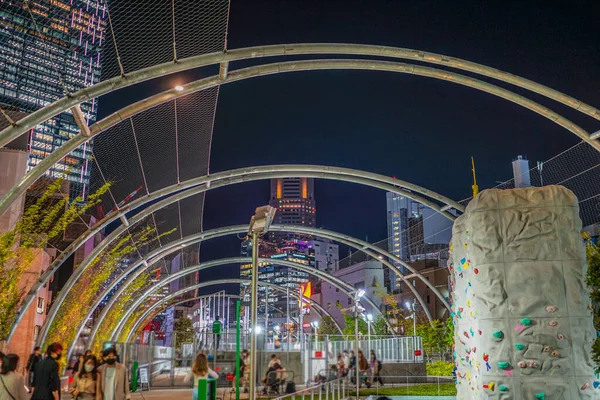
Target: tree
[(396, 315), (184, 332), (434, 337), (327, 326), (380, 325), (350, 322), (592, 252)]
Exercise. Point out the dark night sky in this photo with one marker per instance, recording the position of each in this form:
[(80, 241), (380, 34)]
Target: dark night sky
[(420, 130)]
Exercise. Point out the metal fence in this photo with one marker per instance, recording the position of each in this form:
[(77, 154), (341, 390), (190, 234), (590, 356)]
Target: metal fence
[(391, 349)]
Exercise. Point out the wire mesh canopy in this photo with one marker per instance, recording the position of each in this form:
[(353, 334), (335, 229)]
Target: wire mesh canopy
[(53, 49)]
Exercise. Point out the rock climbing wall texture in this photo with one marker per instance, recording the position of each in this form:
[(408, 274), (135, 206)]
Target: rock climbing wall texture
[(520, 305)]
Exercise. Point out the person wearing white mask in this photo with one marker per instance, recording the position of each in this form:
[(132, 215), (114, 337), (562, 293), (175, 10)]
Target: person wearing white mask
[(86, 384)]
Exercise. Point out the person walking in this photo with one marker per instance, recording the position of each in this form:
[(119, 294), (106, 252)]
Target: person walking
[(246, 364), (375, 369), (46, 381), (12, 385), (352, 367), (114, 383), (32, 361), (200, 370), (346, 359), (86, 383), (363, 367)]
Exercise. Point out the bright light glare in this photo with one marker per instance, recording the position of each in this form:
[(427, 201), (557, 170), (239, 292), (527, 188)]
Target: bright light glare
[(360, 293), (315, 324), (408, 305), (369, 317), (179, 88), (277, 328), (258, 329)]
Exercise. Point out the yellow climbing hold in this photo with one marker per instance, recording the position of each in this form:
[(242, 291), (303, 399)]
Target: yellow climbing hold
[(491, 386)]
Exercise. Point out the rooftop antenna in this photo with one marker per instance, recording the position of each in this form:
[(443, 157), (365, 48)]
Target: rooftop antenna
[(474, 187)]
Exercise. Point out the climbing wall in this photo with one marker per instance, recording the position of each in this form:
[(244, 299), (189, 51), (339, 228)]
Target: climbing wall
[(520, 306)]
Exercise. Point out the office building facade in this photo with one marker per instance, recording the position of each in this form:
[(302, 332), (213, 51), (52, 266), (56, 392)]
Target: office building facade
[(38, 61), (294, 200)]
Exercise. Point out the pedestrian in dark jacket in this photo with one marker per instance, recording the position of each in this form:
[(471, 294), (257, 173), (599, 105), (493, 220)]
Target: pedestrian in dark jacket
[(32, 361), (46, 381)]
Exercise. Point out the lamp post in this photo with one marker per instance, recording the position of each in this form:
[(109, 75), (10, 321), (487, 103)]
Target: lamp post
[(412, 307), (369, 320), (357, 296), (259, 224), (315, 326)]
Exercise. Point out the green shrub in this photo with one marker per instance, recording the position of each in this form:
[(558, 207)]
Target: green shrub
[(443, 389), (440, 368)]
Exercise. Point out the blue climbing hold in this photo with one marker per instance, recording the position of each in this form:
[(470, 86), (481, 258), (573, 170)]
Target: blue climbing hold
[(596, 384)]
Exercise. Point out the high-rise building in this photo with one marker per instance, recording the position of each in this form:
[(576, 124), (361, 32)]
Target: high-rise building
[(294, 200), (413, 231), (47, 46)]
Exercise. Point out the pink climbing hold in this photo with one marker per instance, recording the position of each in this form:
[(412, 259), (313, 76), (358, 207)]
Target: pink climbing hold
[(522, 364), (550, 309), (552, 323)]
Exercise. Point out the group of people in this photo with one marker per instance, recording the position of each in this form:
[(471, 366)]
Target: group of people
[(369, 370), (104, 379)]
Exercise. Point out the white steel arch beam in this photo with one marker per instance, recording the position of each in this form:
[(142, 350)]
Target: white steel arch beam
[(282, 50), (148, 312), (338, 283), (276, 68), (171, 247), (206, 183), (161, 306)]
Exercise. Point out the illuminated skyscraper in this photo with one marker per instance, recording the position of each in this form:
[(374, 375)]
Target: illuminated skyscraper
[(45, 47), (294, 200)]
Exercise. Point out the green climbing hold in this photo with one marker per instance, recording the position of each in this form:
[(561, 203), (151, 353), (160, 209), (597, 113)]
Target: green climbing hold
[(540, 396), (526, 321), (498, 334), (503, 365), (519, 346), (503, 388)]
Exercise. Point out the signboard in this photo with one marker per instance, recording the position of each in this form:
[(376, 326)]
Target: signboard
[(306, 325), (418, 353), (318, 354), (143, 375)]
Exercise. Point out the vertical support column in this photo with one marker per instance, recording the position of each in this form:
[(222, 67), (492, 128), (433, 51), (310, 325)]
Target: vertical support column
[(253, 317)]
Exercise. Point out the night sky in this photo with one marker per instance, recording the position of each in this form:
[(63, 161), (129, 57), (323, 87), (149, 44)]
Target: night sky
[(417, 129)]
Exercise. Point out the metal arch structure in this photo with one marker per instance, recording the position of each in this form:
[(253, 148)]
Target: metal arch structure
[(209, 182), (283, 50), (160, 305), (221, 282), (156, 255), (333, 280), (277, 68), (338, 283)]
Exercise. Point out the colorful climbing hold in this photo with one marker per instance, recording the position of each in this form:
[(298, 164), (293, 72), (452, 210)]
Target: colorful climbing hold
[(540, 396), (503, 364), (503, 388), (533, 364), (498, 334), (476, 271), (585, 386), (519, 346), (596, 384), (552, 323), (550, 309), (522, 364), (526, 321), (489, 386), (555, 353), (560, 336)]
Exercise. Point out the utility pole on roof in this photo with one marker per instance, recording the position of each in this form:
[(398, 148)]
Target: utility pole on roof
[(474, 187)]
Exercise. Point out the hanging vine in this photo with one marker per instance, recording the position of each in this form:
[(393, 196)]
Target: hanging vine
[(43, 221)]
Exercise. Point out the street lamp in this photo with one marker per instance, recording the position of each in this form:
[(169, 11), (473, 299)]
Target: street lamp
[(259, 224), (369, 320), (315, 325), (179, 88), (357, 296), (412, 307)]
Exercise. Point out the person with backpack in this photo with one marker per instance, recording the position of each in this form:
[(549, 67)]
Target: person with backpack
[(375, 369)]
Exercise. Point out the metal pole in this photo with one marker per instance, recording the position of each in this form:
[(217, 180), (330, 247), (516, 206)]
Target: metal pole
[(356, 346), (414, 330), (300, 325), (237, 350), (253, 316), (369, 333), (287, 319)]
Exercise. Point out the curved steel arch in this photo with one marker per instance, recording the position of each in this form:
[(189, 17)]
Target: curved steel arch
[(23, 125), (138, 323), (333, 280), (209, 182), (175, 245), (276, 68), (338, 283), (221, 282)]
